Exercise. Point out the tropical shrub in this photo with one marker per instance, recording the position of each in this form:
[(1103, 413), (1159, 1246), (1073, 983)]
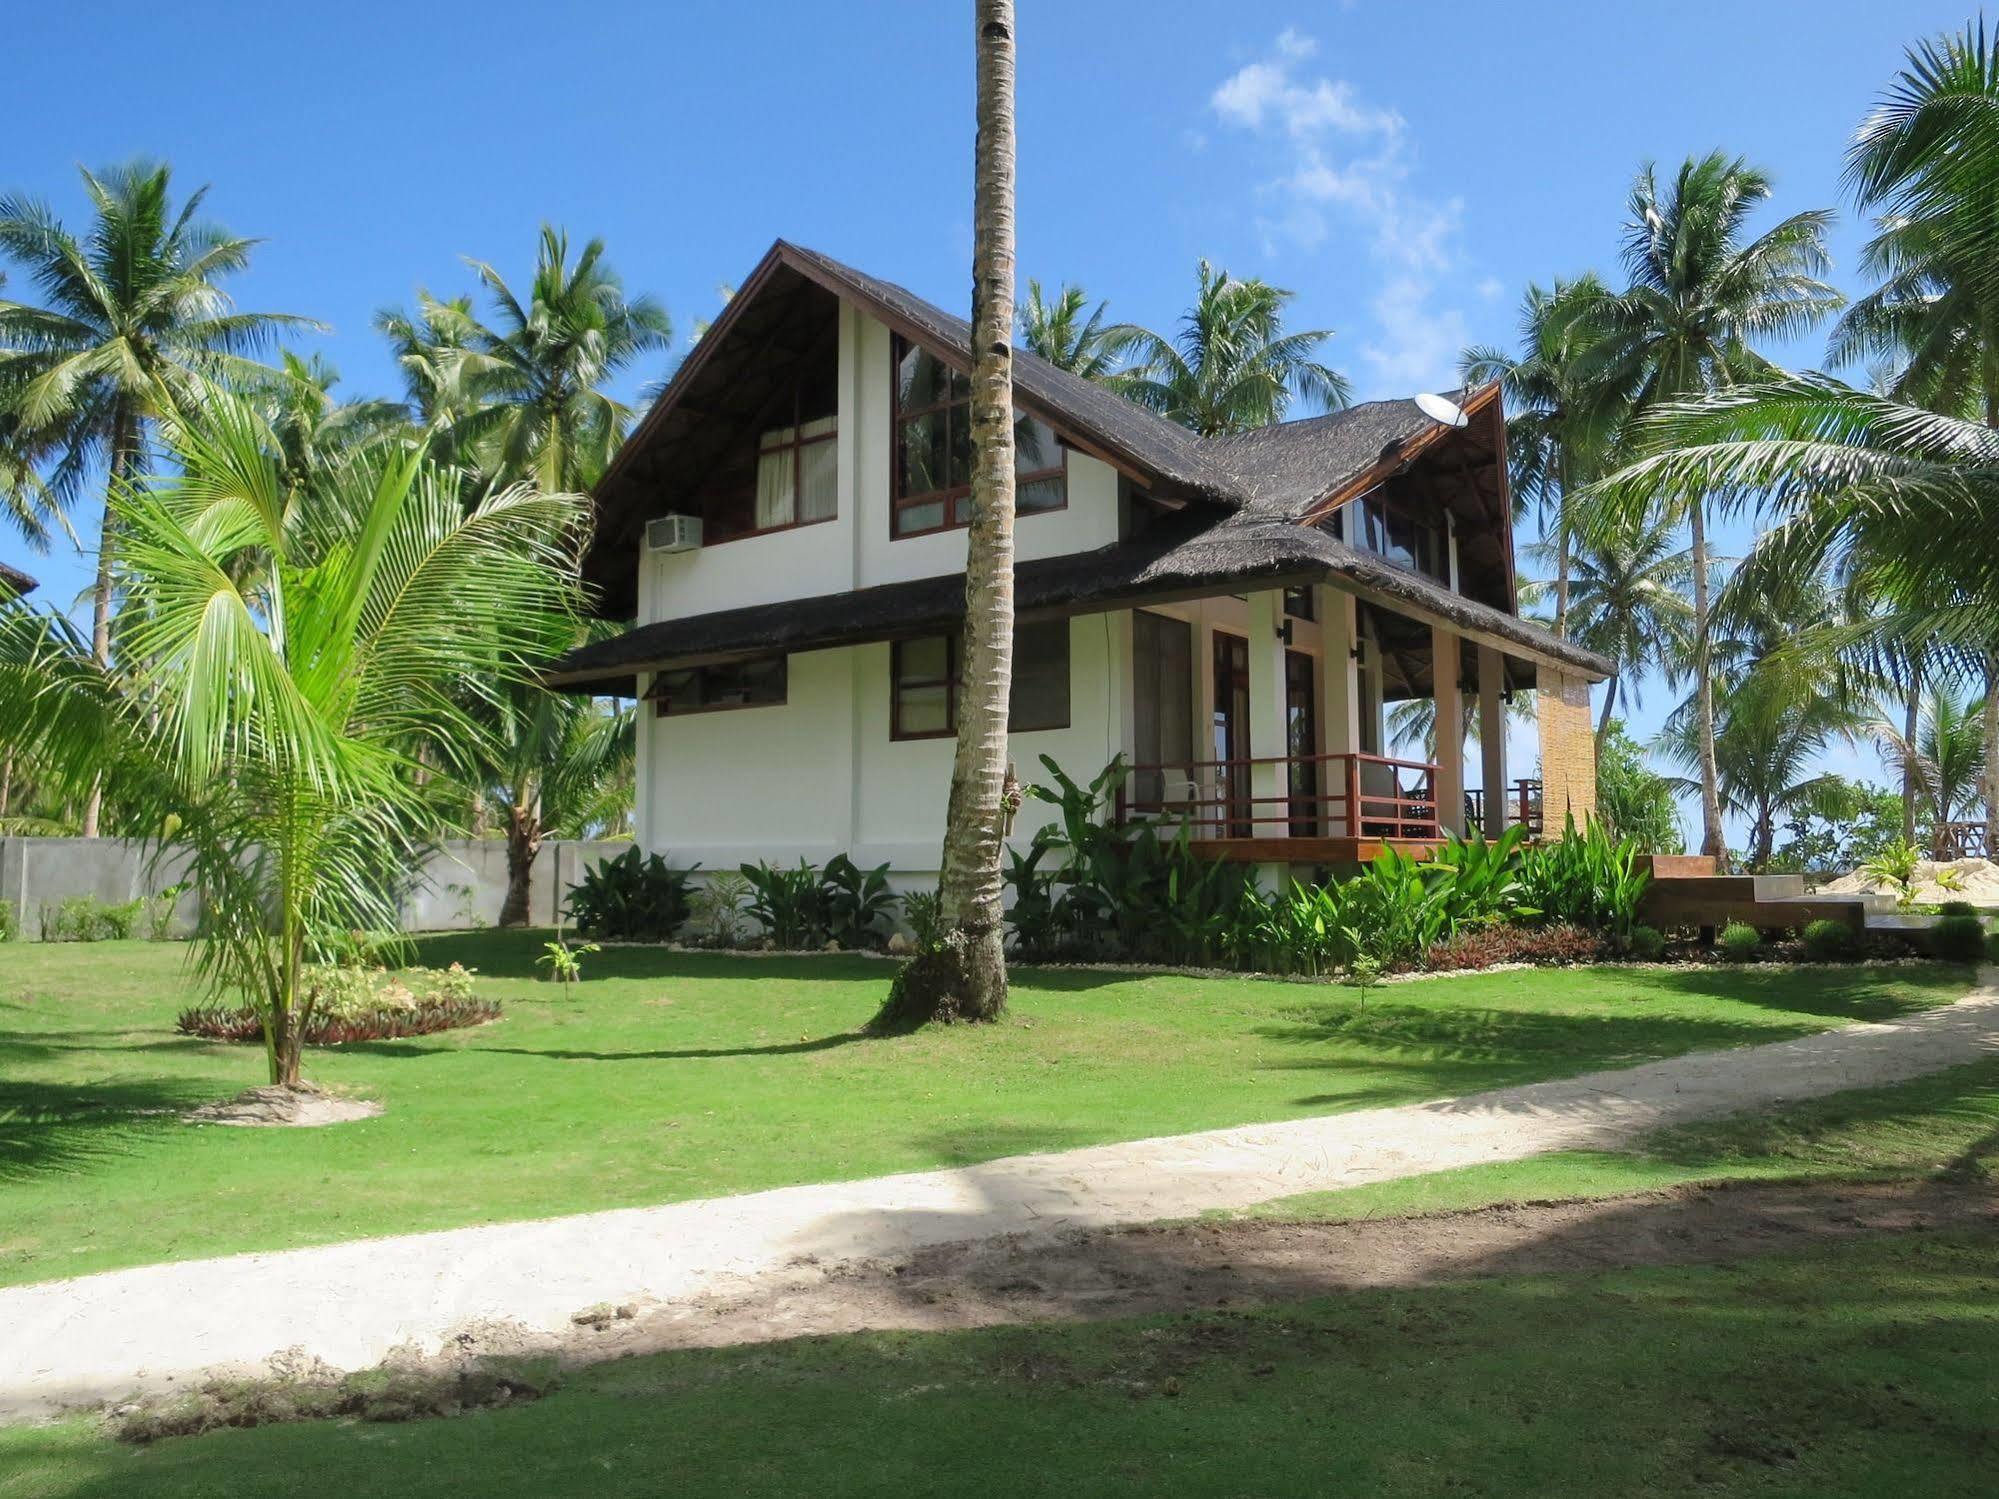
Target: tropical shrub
[(1632, 799), (10, 924), (1895, 865), (1645, 943), (791, 905), (635, 897), (860, 906), (1828, 941), (1958, 939), (924, 911), (1739, 941), (1585, 877), (715, 910), (159, 912), (1958, 908)]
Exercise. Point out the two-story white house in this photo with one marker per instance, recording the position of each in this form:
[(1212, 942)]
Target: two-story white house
[(1232, 615)]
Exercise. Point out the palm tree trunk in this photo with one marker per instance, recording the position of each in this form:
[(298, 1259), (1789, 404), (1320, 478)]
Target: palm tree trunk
[(1713, 844), (1603, 718), (966, 977), (1911, 724), (1990, 769), (124, 443), (524, 832)]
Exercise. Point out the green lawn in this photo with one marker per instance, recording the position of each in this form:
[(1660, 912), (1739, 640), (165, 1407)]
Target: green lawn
[(671, 1076), (1945, 1124), (1862, 1369)]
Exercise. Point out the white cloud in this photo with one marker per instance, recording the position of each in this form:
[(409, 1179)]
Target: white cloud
[(1491, 288), (1345, 162)]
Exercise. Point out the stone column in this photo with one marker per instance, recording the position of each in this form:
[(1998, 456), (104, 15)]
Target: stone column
[(1568, 749), (1449, 698), (1492, 739)]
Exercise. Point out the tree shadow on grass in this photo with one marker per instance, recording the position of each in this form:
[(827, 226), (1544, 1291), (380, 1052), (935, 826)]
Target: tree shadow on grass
[(51, 1129), (515, 954), (1857, 994), (560, 1054)]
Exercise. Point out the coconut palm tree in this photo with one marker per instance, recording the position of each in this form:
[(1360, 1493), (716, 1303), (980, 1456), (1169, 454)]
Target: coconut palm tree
[(1701, 293), (290, 662), (1946, 757), (556, 764), (1566, 406), (964, 977), (309, 428), (1630, 603), (1925, 163), (1231, 366), (1767, 741), (1068, 332), (133, 324), (531, 383)]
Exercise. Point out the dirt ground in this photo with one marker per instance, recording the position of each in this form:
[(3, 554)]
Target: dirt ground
[(1179, 1267)]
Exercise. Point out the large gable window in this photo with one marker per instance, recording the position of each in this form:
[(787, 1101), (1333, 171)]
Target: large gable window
[(1388, 529), (924, 683), (933, 450), (759, 683)]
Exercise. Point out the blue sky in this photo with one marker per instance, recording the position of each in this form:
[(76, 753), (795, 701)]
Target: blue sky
[(1406, 169)]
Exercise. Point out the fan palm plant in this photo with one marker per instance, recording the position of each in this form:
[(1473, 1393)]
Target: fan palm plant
[(134, 323), (1068, 332), (1701, 293), (1566, 406), (293, 659), (1231, 366)]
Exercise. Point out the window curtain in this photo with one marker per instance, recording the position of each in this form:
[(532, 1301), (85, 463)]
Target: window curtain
[(819, 471), (777, 488)]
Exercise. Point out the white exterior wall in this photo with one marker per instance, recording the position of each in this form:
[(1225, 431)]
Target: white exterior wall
[(819, 774)]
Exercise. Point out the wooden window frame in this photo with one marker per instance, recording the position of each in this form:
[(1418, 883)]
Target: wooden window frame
[(797, 445), (661, 710), (950, 684), (949, 499)]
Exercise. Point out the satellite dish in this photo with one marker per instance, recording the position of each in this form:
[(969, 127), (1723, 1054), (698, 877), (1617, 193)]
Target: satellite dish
[(1437, 409)]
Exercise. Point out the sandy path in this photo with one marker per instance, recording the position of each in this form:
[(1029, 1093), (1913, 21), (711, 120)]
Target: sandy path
[(349, 1304)]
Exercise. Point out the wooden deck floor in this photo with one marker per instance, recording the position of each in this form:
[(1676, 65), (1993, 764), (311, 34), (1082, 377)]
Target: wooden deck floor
[(1306, 850)]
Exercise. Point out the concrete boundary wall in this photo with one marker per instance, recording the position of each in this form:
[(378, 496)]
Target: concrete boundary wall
[(459, 887)]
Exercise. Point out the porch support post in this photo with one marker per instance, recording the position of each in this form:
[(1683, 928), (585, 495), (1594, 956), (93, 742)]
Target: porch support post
[(1449, 699), (1492, 737), (1339, 698), (1269, 734)]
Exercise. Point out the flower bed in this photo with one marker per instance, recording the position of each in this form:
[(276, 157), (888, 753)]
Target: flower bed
[(358, 1004)]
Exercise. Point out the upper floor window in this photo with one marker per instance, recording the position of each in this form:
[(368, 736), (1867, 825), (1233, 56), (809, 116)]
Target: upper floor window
[(1386, 528), (798, 474), (759, 683), (933, 450), (924, 682)]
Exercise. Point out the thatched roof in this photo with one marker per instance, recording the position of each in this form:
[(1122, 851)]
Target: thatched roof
[(14, 581), (1187, 559)]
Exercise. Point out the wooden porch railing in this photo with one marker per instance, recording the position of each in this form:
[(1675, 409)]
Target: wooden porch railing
[(1356, 795), (1524, 806)]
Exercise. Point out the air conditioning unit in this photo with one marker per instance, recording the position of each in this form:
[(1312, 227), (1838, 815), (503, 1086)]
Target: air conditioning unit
[(673, 533)]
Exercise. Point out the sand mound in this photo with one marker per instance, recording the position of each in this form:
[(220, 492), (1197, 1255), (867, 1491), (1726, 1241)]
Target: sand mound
[(1975, 880), (304, 1106)]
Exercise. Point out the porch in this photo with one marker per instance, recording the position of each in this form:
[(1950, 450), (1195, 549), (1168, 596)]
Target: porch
[(1334, 809), (1262, 723)]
